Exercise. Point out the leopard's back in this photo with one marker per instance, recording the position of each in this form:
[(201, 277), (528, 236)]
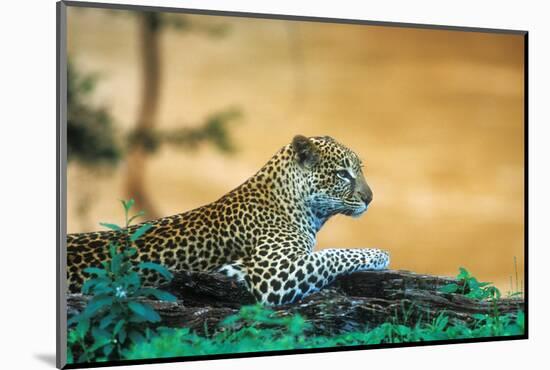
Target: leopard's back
[(198, 240)]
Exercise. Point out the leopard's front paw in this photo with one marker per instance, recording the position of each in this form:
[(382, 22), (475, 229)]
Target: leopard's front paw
[(378, 259), (383, 260)]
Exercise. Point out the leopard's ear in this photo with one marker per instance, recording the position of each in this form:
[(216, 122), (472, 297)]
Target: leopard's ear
[(307, 153)]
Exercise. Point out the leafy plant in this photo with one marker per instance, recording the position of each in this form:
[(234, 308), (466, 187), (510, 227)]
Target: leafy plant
[(493, 324), (471, 287), (115, 317)]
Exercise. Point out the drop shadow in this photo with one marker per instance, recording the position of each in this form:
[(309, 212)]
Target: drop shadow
[(47, 358)]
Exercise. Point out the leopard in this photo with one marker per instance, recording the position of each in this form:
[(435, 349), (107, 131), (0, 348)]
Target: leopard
[(263, 233)]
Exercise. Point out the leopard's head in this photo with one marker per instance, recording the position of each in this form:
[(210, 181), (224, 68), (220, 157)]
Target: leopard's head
[(333, 175)]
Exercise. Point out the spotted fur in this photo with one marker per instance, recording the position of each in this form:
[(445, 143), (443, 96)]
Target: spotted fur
[(262, 232)]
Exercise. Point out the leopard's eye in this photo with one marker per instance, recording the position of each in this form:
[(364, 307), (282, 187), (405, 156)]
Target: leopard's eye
[(344, 175)]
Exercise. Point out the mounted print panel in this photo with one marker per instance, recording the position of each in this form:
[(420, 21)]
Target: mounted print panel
[(236, 185)]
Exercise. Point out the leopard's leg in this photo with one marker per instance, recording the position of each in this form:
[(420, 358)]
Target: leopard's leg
[(283, 276)]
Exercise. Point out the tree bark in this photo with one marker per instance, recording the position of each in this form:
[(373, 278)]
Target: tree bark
[(149, 26), (355, 302)]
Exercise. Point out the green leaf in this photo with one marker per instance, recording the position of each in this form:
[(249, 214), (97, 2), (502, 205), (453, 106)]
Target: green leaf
[(476, 294), (87, 285), (115, 263), (111, 226), (513, 329), (100, 334), (126, 266), (100, 343), (520, 320), (132, 279), (106, 321), (118, 326), (403, 330), (82, 327), (70, 355), (230, 320), (135, 318), (473, 283), (158, 268), (139, 232), (145, 311), (442, 323), (449, 288), (83, 357), (112, 250), (95, 271), (296, 325), (108, 349), (103, 288), (97, 303), (128, 204), (139, 214), (136, 337), (464, 274), (122, 335), (479, 316), (74, 320), (130, 252)]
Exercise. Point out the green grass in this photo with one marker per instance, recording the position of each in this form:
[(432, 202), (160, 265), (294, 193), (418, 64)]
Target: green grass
[(256, 328)]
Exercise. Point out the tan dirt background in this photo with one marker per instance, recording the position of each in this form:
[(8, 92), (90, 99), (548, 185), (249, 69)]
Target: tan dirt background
[(437, 116)]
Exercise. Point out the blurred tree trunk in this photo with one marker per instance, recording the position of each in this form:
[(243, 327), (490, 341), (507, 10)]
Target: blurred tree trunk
[(149, 26)]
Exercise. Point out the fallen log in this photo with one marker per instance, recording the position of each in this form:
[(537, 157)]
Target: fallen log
[(355, 302)]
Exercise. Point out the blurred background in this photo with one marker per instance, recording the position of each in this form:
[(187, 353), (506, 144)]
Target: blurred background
[(176, 110)]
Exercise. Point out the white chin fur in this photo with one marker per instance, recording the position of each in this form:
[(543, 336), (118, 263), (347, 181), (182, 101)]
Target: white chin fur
[(359, 212)]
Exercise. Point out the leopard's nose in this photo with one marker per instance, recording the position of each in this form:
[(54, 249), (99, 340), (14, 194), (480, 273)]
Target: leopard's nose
[(366, 196)]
